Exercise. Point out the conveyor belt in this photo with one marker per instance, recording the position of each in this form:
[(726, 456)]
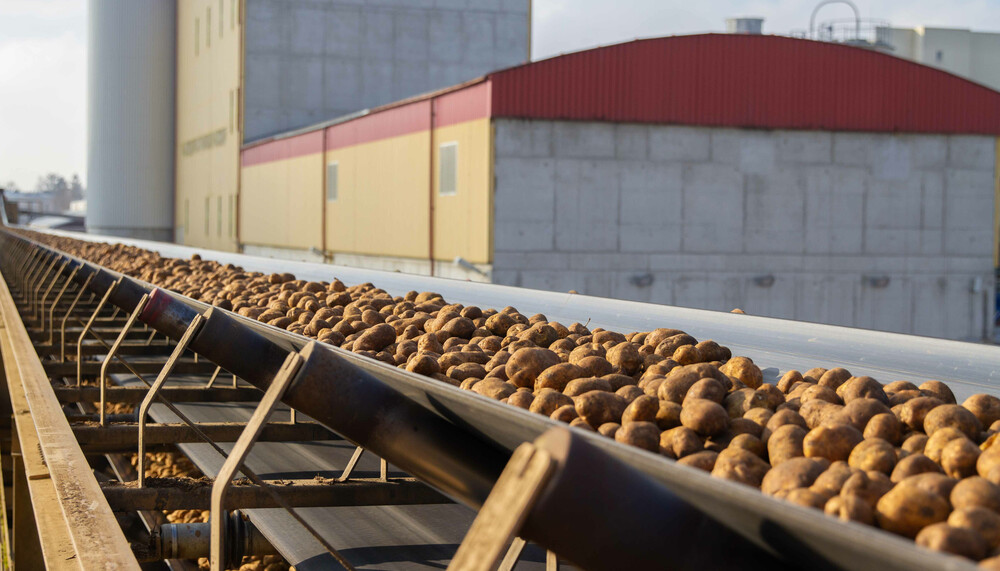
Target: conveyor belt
[(776, 345), (383, 537)]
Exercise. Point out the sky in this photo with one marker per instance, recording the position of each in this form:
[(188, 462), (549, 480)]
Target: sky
[(43, 55)]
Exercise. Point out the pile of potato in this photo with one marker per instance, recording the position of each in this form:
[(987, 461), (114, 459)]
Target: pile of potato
[(902, 457)]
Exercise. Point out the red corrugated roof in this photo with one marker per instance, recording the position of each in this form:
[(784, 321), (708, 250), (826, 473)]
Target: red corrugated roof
[(719, 80), (769, 82)]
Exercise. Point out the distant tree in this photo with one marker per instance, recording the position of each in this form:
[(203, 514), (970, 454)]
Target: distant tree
[(52, 182), (10, 186), (76, 190)]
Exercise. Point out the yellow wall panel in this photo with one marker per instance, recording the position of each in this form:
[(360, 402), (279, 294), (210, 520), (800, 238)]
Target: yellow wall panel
[(208, 128), (282, 203), (382, 206), (384, 194), (462, 221)]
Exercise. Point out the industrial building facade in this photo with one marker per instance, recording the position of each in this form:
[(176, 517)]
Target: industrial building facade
[(248, 70), (629, 171)]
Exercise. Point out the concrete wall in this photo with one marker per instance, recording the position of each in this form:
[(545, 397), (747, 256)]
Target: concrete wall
[(869, 230), (208, 124), (312, 60)]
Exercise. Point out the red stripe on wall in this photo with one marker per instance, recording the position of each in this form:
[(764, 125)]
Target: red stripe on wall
[(297, 146), (450, 108), (392, 122)]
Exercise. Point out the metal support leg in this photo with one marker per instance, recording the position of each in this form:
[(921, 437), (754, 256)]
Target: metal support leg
[(62, 326), (215, 375), (103, 378), (55, 302), (151, 395), (505, 510), (40, 309), (34, 260), (41, 281), (219, 511), (351, 464), (86, 329)]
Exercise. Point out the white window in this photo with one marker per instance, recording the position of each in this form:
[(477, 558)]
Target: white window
[(332, 184), (448, 169)]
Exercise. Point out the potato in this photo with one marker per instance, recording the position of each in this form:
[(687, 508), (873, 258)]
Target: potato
[(912, 465), (792, 474), (642, 409), (610, 428), (674, 388), (850, 508), (738, 465), (745, 370), (598, 407), (885, 426), (785, 443), (668, 415), (870, 486), (595, 366), (873, 454), (558, 376), (738, 402), (772, 396), (750, 443), (905, 510), (985, 407), (832, 479), (582, 424), (521, 399), (862, 387), (618, 381), (934, 482), (494, 389), (669, 346), (626, 357), (939, 390), (959, 458), (833, 442), (632, 392), (565, 413), (708, 388), (955, 540), (988, 464), (759, 415), (577, 387), (640, 434), (548, 400), (788, 380), (584, 351), (526, 364), (681, 441), (981, 520), (833, 378), (975, 492), (783, 417), (704, 460), (819, 412), (913, 411), (422, 364), (859, 411), (953, 416), (704, 417), (915, 443)]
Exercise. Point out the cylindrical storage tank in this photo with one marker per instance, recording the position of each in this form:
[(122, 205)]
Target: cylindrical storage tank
[(130, 117)]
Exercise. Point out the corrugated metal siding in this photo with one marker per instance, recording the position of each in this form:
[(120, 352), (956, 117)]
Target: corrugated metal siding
[(767, 82)]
